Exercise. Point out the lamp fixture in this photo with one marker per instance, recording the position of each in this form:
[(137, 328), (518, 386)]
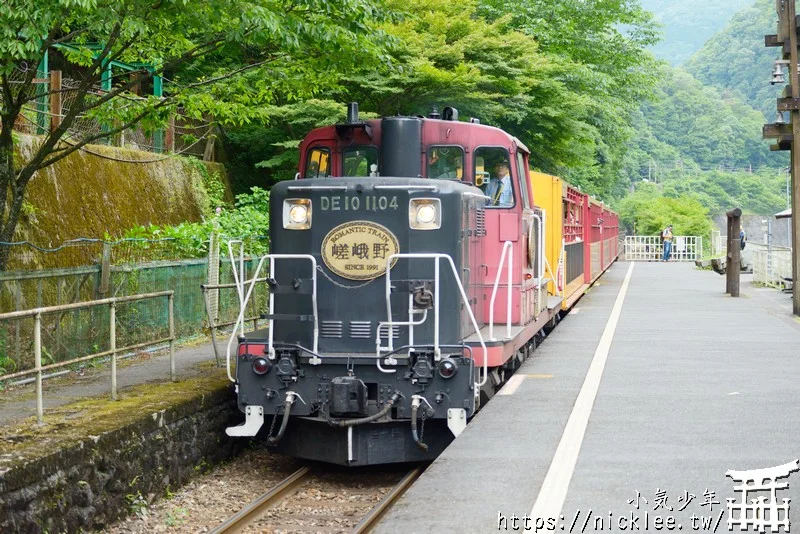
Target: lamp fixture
[(777, 72)]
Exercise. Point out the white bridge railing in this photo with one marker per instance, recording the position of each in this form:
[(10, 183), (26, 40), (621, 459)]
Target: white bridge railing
[(651, 248), (772, 265)]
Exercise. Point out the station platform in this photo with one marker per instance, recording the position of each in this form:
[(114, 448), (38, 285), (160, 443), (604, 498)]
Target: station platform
[(650, 390)]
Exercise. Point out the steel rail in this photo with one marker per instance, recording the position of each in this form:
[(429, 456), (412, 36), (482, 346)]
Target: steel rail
[(256, 509), (379, 510)]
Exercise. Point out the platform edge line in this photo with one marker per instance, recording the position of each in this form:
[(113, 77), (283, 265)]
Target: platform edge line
[(553, 491)]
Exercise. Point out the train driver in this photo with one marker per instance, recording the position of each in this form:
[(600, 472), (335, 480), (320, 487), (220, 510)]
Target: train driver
[(500, 190)]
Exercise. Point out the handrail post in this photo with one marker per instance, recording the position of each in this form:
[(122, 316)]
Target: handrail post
[(112, 340), (212, 325), (37, 348), (171, 305), (508, 292)]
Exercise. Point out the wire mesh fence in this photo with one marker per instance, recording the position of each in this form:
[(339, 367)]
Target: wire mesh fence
[(78, 332), (182, 134)]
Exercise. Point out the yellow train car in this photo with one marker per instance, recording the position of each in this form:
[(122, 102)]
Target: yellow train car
[(580, 239)]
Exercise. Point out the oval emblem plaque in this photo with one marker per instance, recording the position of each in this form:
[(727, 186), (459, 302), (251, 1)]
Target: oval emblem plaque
[(358, 250)]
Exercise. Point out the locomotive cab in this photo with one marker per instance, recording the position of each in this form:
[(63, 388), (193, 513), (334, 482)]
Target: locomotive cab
[(387, 317)]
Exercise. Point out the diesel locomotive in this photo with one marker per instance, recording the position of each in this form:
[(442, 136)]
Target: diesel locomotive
[(411, 272)]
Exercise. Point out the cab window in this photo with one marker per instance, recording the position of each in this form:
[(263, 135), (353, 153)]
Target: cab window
[(318, 163), (524, 178), (360, 161), (493, 176), (446, 162)]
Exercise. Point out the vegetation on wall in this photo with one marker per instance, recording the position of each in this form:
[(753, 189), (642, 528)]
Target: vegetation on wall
[(247, 219), (85, 196)]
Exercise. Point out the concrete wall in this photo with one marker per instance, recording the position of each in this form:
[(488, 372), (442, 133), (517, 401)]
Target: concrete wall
[(89, 484), (756, 228)]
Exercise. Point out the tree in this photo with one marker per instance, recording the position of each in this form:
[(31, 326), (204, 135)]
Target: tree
[(200, 43), (648, 212), (601, 47), (568, 97)]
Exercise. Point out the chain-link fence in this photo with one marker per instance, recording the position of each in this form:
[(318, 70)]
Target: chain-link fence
[(182, 135), (80, 332)]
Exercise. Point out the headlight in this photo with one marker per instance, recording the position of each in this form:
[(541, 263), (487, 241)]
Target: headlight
[(297, 214), (425, 213)]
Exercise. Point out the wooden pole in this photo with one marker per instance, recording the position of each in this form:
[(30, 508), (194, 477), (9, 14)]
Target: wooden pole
[(734, 267), (788, 19), (55, 99), (170, 137), (728, 256)]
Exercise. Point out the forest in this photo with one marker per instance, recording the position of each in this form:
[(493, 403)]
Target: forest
[(578, 81)]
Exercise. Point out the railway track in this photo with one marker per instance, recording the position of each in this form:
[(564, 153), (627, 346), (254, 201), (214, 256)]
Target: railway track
[(272, 509)]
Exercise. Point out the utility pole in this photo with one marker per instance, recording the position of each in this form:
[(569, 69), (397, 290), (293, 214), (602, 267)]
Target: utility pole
[(788, 135)]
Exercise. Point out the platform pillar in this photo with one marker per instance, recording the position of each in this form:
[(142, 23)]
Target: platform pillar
[(733, 268)]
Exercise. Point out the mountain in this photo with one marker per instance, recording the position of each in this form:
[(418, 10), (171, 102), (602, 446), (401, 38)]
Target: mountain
[(687, 126), (736, 61), (688, 24)]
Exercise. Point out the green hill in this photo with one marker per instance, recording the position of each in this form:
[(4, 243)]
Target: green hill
[(736, 61), (687, 24)]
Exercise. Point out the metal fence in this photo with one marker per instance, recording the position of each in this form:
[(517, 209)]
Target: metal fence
[(772, 266), (182, 135), (113, 303), (650, 248), (719, 243), (83, 331)]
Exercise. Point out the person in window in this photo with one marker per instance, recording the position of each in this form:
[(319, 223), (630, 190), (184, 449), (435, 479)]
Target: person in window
[(500, 190), (454, 169), (313, 169)]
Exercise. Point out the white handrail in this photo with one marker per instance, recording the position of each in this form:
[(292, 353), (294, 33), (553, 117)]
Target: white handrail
[(508, 246), (541, 251), (436, 257), (238, 278), (390, 325), (240, 320)]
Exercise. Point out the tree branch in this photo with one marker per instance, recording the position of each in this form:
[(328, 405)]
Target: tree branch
[(232, 73)]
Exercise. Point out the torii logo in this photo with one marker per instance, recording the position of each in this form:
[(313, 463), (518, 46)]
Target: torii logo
[(759, 512)]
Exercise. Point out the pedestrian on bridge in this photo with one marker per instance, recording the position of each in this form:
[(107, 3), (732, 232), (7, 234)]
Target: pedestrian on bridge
[(666, 237)]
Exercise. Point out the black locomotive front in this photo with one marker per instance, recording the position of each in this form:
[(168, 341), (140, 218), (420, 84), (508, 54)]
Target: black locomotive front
[(345, 377)]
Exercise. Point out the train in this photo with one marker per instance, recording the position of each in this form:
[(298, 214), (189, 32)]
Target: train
[(415, 264)]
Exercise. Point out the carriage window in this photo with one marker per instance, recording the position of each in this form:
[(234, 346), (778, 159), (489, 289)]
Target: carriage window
[(360, 161), (493, 176), (524, 178), (318, 163), (446, 162)]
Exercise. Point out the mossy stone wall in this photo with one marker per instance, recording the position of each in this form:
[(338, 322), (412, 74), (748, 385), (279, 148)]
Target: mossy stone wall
[(91, 473), (107, 191)]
